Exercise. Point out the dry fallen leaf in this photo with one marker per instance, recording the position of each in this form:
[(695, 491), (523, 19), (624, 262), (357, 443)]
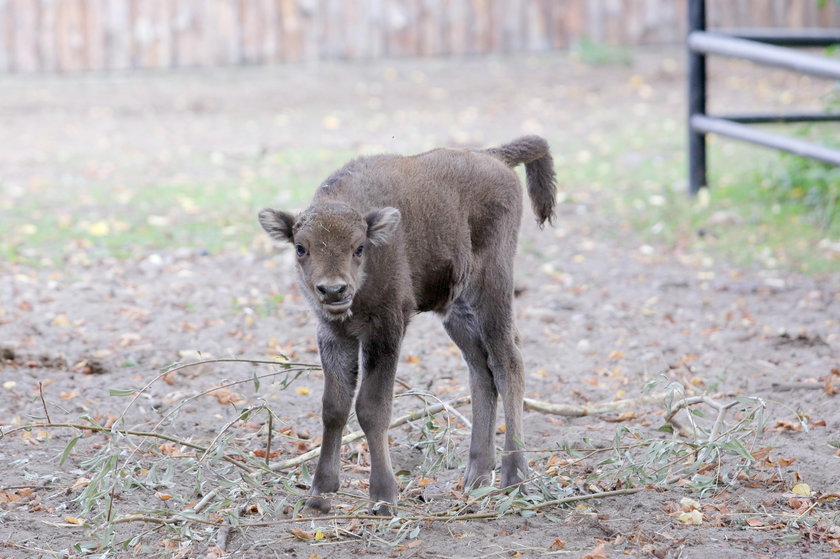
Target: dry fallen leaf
[(8, 497), (98, 229), (227, 397), (829, 388), (802, 489), (214, 552), (303, 390), (409, 545), (799, 504), (623, 416), (598, 552), (74, 520), (688, 505), (260, 453), (80, 482), (785, 425), (691, 518), (170, 449)]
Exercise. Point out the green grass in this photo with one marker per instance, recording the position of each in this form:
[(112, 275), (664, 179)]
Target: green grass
[(83, 222), (598, 54), (763, 208)]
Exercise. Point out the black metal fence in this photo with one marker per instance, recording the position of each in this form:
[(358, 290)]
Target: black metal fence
[(764, 46)]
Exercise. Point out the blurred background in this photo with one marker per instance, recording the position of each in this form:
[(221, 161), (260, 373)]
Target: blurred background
[(106, 35), (133, 125)]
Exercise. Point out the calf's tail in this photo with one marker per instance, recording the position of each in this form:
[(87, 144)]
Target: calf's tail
[(539, 172)]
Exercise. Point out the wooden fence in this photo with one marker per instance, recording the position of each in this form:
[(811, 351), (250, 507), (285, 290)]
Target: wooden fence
[(97, 35)]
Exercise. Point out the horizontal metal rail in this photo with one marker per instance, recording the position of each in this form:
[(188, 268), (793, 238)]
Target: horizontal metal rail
[(790, 117), (809, 37), (716, 43), (710, 125)]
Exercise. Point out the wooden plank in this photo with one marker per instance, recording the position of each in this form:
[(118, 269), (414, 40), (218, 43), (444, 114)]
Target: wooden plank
[(70, 29), (117, 35), (554, 23), (269, 36), (74, 35), (292, 50), (479, 28), (153, 37), (277, 24), (223, 32), (429, 32), (612, 22), (94, 25), (455, 27), (187, 39), (577, 21), (47, 48), (25, 35), (309, 31), (335, 22), (538, 33), (255, 30), (357, 27), (5, 36)]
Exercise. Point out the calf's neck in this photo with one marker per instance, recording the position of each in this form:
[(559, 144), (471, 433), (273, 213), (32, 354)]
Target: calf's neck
[(389, 236)]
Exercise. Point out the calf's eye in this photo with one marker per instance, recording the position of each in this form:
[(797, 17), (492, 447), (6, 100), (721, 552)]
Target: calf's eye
[(359, 250), (300, 250)]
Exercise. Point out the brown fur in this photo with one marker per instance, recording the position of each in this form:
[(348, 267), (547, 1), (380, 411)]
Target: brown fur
[(389, 236)]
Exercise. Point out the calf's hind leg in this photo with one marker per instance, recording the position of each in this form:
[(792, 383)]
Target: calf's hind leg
[(462, 327), (494, 315)]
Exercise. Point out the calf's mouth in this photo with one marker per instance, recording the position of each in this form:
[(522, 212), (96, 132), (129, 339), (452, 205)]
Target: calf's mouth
[(338, 307)]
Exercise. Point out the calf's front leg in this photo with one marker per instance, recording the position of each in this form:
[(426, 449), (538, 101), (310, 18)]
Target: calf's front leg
[(340, 361), (373, 409)]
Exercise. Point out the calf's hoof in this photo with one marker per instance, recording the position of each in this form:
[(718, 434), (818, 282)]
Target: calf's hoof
[(383, 493), (475, 476), (513, 473), (319, 504), (381, 509)]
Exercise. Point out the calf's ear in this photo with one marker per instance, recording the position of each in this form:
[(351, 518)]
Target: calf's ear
[(382, 224), (277, 224)]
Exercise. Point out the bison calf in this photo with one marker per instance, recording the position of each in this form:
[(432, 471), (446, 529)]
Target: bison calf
[(390, 236)]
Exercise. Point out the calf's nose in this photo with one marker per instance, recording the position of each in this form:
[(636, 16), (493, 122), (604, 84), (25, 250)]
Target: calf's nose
[(332, 292)]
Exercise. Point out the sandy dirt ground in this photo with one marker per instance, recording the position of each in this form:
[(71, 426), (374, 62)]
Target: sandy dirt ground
[(601, 313)]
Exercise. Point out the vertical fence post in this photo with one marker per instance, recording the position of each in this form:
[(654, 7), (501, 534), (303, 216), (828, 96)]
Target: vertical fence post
[(696, 100)]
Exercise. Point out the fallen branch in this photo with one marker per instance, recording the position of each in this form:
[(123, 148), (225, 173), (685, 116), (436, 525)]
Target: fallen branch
[(532, 405), (124, 432), (356, 435), (587, 497), (785, 386), (567, 410), (176, 517)]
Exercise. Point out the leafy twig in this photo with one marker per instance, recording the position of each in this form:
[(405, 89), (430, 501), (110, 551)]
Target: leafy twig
[(356, 435), (100, 429)]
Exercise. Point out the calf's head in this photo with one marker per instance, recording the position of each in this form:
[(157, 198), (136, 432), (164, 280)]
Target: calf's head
[(332, 242)]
